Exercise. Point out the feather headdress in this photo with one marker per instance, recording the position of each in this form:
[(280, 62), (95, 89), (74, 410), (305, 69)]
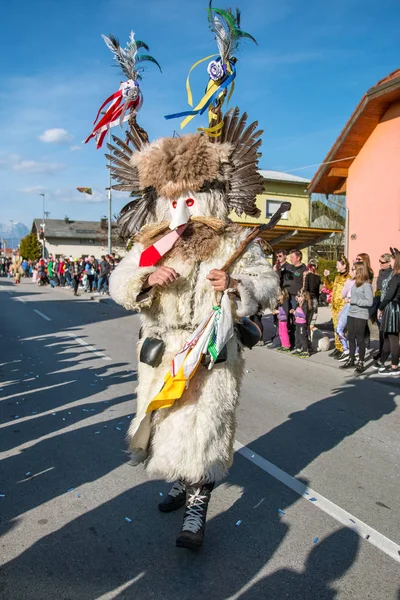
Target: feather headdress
[(128, 99), (223, 161), (225, 26), (130, 62)]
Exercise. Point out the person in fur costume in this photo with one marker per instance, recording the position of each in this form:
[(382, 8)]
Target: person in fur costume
[(184, 189)]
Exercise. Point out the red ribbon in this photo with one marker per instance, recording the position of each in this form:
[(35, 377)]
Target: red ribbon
[(115, 111)]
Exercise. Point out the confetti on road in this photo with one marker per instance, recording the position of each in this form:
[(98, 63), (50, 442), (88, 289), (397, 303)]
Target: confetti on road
[(121, 423), (316, 540), (85, 410), (71, 490), (282, 512), (27, 474), (53, 414), (118, 428), (128, 519), (238, 523), (160, 494), (313, 499), (34, 413), (96, 432), (2, 495), (79, 495), (16, 417)]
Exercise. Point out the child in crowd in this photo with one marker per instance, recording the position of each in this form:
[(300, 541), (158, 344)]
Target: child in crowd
[(301, 313), (282, 323)]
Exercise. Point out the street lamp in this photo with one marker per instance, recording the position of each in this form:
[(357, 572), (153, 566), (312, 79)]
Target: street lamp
[(12, 235), (43, 225)]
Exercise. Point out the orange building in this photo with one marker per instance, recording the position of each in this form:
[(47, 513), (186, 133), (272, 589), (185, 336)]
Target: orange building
[(365, 165)]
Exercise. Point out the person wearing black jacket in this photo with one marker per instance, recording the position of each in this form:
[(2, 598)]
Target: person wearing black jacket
[(384, 272), (105, 271), (312, 284), (292, 276), (389, 312)]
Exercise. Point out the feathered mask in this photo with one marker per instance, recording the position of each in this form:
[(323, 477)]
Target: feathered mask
[(216, 169), (128, 99)]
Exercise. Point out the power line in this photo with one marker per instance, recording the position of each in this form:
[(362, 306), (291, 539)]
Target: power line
[(329, 162)]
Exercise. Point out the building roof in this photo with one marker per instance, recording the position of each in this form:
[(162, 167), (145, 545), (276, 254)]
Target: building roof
[(282, 237), (331, 178), (60, 228), (281, 176)]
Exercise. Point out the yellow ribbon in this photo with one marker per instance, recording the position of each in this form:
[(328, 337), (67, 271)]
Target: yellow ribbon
[(212, 87), (173, 389), (214, 131), (189, 91)]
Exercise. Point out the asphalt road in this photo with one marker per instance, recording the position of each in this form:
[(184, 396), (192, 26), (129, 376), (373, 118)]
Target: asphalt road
[(316, 473)]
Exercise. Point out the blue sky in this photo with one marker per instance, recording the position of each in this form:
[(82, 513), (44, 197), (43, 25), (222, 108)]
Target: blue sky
[(313, 63)]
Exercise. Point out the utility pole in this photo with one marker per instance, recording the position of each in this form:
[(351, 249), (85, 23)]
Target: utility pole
[(43, 225), (109, 201)]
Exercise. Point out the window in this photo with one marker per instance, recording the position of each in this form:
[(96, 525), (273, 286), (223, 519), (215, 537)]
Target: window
[(87, 241), (271, 208)]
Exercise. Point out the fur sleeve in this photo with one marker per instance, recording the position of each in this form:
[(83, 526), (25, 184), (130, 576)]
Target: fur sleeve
[(258, 283), (127, 281)]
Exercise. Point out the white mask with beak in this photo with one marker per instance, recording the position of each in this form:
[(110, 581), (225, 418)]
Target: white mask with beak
[(181, 210)]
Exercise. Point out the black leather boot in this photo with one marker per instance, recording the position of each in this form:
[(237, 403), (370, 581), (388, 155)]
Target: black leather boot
[(194, 520), (176, 498)]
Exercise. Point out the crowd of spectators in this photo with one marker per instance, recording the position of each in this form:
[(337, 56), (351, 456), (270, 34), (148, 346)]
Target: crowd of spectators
[(354, 304), (86, 274)]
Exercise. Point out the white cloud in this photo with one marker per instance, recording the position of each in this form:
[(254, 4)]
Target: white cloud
[(55, 136), (34, 166), (36, 189), (75, 148), (16, 163)]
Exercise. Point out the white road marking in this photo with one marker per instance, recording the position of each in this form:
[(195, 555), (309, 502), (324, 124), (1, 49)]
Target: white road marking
[(339, 514), (89, 347), (116, 592), (20, 300), (42, 315), (34, 391)]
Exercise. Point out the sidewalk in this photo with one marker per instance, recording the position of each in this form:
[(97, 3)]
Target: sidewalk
[(324, 323)]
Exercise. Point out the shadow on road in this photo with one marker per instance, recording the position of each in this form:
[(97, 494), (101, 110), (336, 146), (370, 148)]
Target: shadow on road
[(99, 555)]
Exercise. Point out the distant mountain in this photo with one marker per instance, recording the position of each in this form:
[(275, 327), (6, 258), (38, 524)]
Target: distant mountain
[(13, 235)]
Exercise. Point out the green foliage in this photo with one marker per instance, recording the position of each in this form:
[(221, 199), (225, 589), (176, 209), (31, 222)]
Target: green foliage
[(30, 248), (326, 263)]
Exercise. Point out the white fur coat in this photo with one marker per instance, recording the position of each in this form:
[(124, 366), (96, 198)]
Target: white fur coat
[(193, 440)]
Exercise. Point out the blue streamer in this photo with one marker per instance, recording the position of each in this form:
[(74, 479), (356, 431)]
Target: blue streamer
[(189, 113)]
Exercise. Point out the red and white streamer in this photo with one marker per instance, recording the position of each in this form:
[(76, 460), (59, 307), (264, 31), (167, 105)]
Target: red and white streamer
[(126, 100)]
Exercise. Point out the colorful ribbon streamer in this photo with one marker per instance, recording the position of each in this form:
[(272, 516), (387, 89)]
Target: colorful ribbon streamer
[(214, 89), (213, 333), (122, 105)]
